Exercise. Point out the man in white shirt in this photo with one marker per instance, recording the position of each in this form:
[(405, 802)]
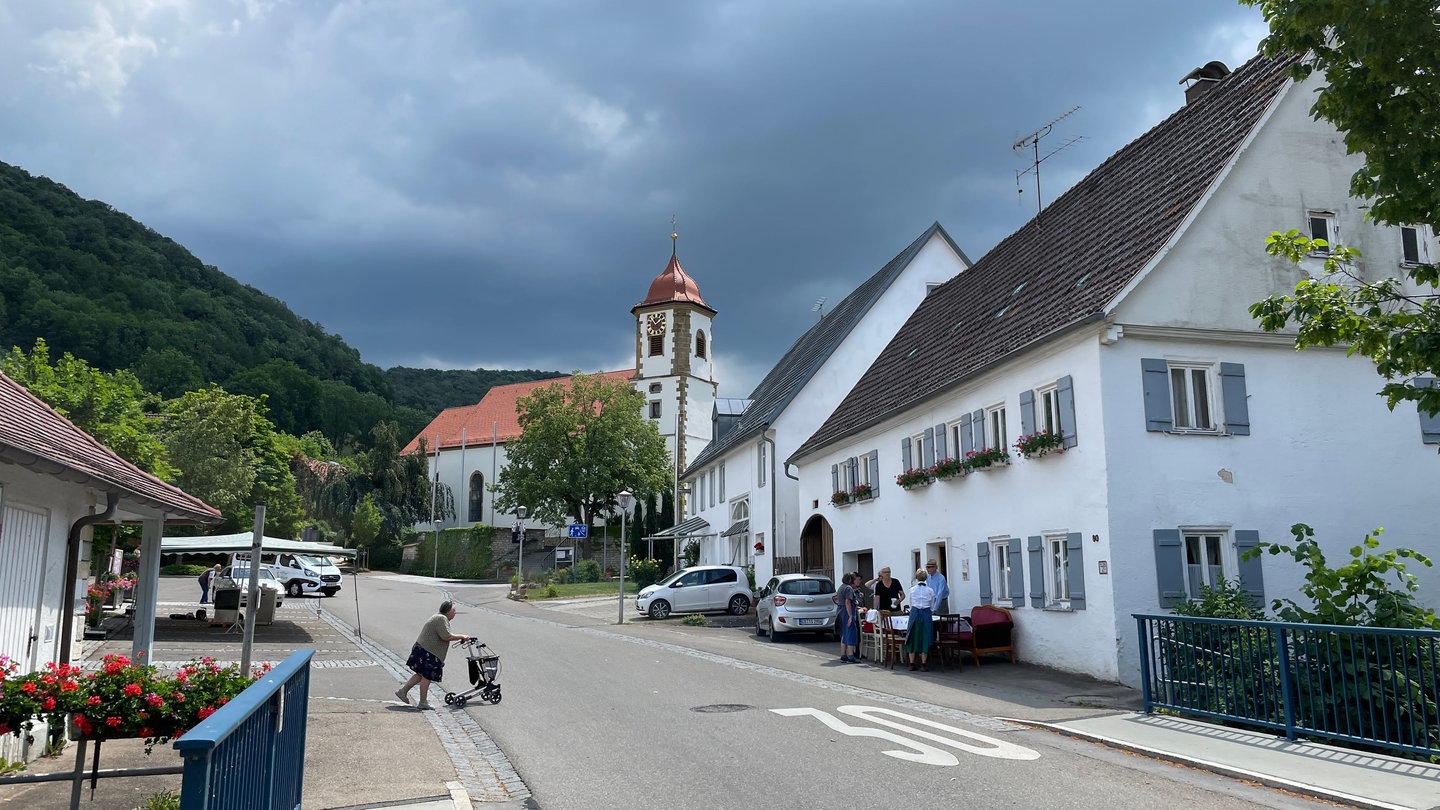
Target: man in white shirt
[(938, 584)]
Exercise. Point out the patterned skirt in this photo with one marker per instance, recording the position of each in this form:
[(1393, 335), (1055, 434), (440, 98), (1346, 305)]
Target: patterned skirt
[(422, 662)]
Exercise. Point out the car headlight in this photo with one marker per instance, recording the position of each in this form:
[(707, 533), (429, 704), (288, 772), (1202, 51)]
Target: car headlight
[(310, 573)]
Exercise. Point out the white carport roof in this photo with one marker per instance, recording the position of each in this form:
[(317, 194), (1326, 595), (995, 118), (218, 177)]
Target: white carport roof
[(233, 543)]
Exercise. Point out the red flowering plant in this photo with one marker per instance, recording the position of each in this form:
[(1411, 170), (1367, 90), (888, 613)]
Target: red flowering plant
[(47, 696), (839, 497), (913, 477), (124, 699), (1039, 443), (983, 459), (947, 468), (100, 591)]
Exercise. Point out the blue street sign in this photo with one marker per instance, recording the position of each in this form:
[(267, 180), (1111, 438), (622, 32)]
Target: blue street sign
[(579, 531)]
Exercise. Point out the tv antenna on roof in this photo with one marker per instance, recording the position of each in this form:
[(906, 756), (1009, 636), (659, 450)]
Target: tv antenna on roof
[(1033, 142), (820, 306)]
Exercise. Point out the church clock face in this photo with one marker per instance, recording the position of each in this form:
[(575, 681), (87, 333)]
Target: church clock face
[(655, 324)]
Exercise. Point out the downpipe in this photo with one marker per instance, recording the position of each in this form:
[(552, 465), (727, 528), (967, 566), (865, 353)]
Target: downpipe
[(72, 571)]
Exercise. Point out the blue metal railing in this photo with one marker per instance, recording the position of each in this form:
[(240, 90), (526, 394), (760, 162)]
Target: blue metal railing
[(250, 755), (1370, 687)]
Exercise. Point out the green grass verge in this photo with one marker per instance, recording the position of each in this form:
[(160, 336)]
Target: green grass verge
[(572, 590)]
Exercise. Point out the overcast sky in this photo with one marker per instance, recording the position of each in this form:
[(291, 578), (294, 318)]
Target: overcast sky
[(485, 183)]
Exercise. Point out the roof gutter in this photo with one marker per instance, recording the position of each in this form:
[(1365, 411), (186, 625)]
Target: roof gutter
[(72, 570)]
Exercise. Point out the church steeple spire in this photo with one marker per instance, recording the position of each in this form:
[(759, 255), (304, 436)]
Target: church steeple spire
[(674, 236)]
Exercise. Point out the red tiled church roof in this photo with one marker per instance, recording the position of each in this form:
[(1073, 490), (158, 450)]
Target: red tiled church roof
[(493, 420), (34, 436)]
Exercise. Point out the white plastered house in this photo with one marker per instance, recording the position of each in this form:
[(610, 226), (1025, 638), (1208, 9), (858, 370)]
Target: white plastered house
[(56, 481), (744, 503), (1118, 318)]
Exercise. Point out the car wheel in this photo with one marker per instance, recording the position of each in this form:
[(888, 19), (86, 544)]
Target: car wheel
[(739, 605), (295, 589), (774, 636), (659, 609)]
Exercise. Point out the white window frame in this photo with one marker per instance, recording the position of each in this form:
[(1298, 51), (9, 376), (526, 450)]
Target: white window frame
[(1047, 409), (761, 455), (722, 480), (1000, 570), (1331, 231), (1224, 545), (1187, 421), (713, 499), (1422, 246), (996, 431), (1057, 571)]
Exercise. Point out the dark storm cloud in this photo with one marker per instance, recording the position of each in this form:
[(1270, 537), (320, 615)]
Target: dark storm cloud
[(457, 184)]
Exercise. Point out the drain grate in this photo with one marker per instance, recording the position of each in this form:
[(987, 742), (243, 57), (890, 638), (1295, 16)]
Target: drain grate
[(721, 708)]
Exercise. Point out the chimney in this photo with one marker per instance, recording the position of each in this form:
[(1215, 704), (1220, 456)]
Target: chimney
[(1202, 80)]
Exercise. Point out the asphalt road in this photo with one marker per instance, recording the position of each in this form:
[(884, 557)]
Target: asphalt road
[(657, 713)]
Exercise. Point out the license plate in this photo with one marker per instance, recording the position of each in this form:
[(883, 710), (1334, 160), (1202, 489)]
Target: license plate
[(811, 622)]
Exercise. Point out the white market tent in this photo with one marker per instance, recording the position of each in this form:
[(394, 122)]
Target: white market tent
[(242, 542)]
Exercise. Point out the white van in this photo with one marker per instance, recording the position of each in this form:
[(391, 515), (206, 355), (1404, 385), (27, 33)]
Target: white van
[(301, 573)]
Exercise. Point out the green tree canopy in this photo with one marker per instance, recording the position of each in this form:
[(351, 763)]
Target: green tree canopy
[(230, 456), (582, 442), (1381, 65), (110, 407)]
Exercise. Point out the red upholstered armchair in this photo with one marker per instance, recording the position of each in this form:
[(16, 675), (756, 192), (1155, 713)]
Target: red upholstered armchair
[(994, 631)]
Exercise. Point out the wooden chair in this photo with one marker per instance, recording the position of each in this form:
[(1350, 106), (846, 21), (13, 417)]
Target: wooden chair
[(953, 636), (869, 638), (892, 641), (994, 632)]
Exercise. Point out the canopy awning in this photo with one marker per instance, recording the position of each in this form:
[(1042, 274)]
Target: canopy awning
[(233, 543), (686, 528), (738, 527)]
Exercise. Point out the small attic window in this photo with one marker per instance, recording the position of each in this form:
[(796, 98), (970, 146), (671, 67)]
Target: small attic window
[(1081, 282), (1002, 312), (1017, 290), (912, 352)]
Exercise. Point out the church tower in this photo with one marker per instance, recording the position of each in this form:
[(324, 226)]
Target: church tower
[(674, 360)]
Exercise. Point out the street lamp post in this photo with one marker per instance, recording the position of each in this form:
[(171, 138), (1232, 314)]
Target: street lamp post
[(624, 498), (520, 513)]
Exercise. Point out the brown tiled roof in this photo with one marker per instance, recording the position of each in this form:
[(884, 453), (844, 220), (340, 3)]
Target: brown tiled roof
[(1066, 265), (492, 420), (33, 435)]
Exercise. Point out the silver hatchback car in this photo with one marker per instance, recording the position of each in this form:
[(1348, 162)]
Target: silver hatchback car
[(797, 603)]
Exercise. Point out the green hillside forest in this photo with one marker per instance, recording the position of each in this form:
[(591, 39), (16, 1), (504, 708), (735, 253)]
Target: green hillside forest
[(93, 282)]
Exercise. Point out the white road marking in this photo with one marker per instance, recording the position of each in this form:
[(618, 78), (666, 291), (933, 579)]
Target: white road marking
[(926, 754)]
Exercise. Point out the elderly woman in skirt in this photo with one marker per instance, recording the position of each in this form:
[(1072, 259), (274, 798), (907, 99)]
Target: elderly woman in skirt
[(427, 656), (921, 631)]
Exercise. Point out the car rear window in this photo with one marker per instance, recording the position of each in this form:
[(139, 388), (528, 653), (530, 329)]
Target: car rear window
[(805, 587)]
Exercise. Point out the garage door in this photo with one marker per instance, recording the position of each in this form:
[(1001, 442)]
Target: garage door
[(22, 561)]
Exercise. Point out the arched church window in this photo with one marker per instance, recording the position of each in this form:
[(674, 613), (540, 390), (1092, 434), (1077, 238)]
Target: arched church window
[(476, 511), (700, 344)]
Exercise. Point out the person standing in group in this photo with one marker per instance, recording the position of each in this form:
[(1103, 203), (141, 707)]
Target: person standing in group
[(921, 632), (936, 580), (888, 591), (848, 620), (207, 580), (427, 655)]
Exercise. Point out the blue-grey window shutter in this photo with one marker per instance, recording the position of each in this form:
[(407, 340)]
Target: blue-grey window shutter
[(1169, 567), (905, 465), (929, 444), (982, 567), (834, 477), (940, 442), (1237, 405), (1252, 571), (854, 466), (1037, 571), (1017, 575), (1027, 412), (1429, 423), (1065, 393), (967, 442), (977, 425), (1075, 558), (875, 471), (1155, 374)]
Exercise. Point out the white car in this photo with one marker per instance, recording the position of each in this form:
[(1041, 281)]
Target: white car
[(797, 603), (300, 574), (697, 590), (238, 576)]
